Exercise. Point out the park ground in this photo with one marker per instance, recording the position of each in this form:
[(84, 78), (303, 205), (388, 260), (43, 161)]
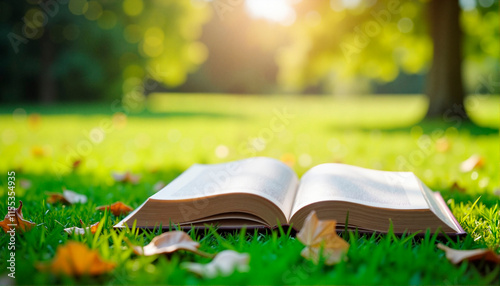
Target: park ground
[(78, 146)]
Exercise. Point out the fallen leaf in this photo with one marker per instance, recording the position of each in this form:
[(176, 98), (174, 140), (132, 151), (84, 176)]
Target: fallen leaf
[(159, 185), (497, 192), (126, 177), (82, 230), (16, 220), (224, 264), (76, 259), (76, 164), (456, 256), (6, 279), (442, 145), (474, 161), (169, 242), (67, 197), (288, 159), (457, 188), (34, 121), (119, 120), (117, 208), (37, 151), (25, 183), (320, 235)]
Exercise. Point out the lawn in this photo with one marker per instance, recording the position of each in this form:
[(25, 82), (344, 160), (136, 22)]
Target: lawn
[(162, 136)]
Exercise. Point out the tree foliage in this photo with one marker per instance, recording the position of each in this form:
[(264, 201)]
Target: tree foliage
[(97, 49), (333, 43)]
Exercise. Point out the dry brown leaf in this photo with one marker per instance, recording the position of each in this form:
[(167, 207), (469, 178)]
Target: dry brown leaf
[(82, 230), (159, 185), (474, 161), (76, 259), (117, 208), (67, 197), (16, 220), (456, 256), (224, 264), (321, 235), (457, 188), (76, 164), (126, 177), (169, 242)]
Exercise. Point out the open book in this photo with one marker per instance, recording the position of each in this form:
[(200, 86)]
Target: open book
[(264, 192)]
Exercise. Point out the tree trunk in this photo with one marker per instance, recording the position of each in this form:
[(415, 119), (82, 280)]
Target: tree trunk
[(47, 83), (444, 81)]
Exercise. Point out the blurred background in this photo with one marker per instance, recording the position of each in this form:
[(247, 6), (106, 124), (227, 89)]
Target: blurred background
[(79, 50), (135, 84)]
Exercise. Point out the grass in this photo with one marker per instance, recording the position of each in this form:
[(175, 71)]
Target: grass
[(163, 136)]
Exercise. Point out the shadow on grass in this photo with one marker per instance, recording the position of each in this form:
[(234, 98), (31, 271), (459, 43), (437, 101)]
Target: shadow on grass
[(108, 109), (430, 126)]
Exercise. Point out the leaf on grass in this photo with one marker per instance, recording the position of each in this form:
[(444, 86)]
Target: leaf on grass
[(126, 177), (442, 145), (34, 121), (457, 188), (224, 264), (25, 183), (117, 208), (320, 235), (82, 230), (169, 242), (67, 197), (76, 164), (497, 192), (159, 185), (38, 151), (16, 220), (474, 161), (456, 256), (76, 259)]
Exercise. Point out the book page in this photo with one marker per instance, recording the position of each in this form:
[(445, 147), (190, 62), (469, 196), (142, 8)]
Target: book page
[(436, 207), (266, 177), (394, 190)]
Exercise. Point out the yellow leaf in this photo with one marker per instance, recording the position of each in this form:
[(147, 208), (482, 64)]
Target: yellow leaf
[(14, 219), (38, 151), (456, 256), (117, 208), (224, 264), (76, 259), (442, 145), (319, 235)]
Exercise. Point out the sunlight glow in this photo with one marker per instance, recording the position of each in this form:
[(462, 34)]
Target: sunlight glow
[(279, 11)]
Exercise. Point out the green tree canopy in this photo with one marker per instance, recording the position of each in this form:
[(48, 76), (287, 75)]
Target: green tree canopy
[(334, 41), (80, 49)]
